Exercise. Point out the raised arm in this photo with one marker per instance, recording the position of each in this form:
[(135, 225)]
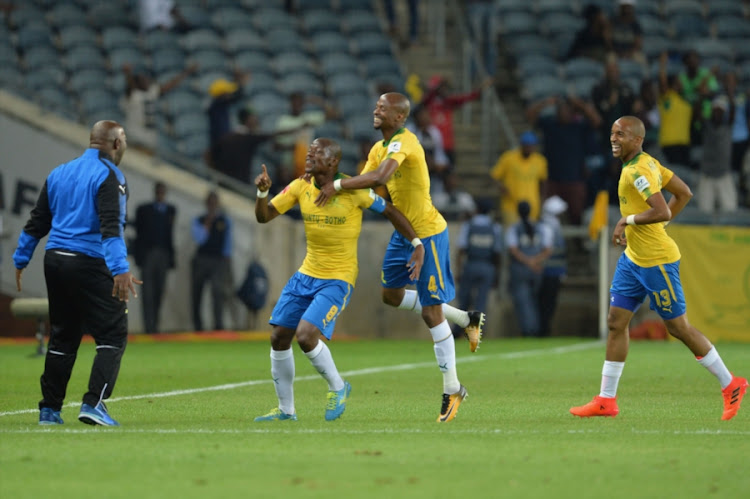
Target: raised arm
[(264, 212)]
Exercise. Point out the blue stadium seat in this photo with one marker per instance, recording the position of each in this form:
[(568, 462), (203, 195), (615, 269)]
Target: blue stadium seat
[(265, 18), (300, 82), (269, 103), (25, 13), (231, 18), (118, 37), (190, 123), (88, 79), (730, 8), (731, 27), (201, 39), (104, 14), (127, 55), (507, 6), (98, 102), (652, 25), (338, 62), (49, 76), (284, 40), (66, 14), (381, 64), (357, 5), (655, 45), (307, 5), (166, 60), (260, 82), (582, 67), (159, 39), (39, 57), (536, 65), (541, 87), (83, 57), (583, 85), (285, 62), (354, 103), (531, 45), (740, 48), (181, 101), (361, 21), (518, 23), (710, 48), (34, 34), (209, 60), (327, 42), (193, 146), (554, 6), (316, 21), (687, 26), (74, 35), (631, 69), (252, 61), (196, 16), (54, 99), (345, 83), (11, 79), (682, 7), (330, 129), (371, 43), (202, 82), (242, 40), (557, 23), (8, 55)]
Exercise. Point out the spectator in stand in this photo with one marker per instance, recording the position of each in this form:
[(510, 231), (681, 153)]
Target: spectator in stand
[(740, 131), (529, 245), (292, 147), (212, 232), (555, 267), (627, 35), (233, 153), (154, 252), (566, 144), (675, 116), (139, 104), (646, 108), (390, 13), (699, 86), (612, 97), (224, 95), (716, 182), (594, 40), (521, 174), (480, 246), (441, 103), (454, 203), (429, 136), (161, 14)]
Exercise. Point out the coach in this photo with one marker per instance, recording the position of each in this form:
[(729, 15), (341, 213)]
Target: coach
[(82, 208)]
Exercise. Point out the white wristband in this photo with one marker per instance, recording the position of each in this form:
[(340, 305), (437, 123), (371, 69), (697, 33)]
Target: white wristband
[(630, 220), (416, 242), (337, 184), (261, 194)]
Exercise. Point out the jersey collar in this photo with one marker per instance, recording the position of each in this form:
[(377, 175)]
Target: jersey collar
[(335, 177), (399, 131), (633, 160)]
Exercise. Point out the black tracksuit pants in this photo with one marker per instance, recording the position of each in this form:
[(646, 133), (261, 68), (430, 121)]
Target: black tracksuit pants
[(79, 289)]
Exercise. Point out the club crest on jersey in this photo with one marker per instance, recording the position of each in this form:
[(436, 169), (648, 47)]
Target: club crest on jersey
[(641, 183)]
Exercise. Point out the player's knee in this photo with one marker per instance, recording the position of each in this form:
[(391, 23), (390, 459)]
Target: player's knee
[(391, 298), (281, 338)]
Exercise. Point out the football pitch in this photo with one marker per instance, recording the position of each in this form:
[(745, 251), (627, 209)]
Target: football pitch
[(187, 410)]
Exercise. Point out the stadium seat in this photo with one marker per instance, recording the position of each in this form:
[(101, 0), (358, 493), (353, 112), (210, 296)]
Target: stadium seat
[(300, 82), (381, 64), (316, 21), (731, 27), (202, 82), (740, 48), (209, 60), (284, 40), (193, 146), (231, 18), (345, 83), (87, 79), (652, 25), (338, 62), (34, 34), (95, 101), (370, 44), (39, 57), (77, 35), (66, 14), (25, 13), (557, 23), (710, 48), (260, 82), (554, 6), (292, 61), (269, 103), (201, 39), (190, 123), (8, 55), (350, 104), (118, 37), (181, 101), (159, 39), (541, 87), (330, 129), (166, 60), (104, 14), (359, 126), (653, 46), (356, 5), (49, 76), (242, 39), (327, 42), (252, 61), (536, 65), (79, 58), (361, 21), (517, 23), (268, 18), (729, 8), (583, 85), (196, 16), (582, 67), (687, 27), (127, 55), (631, 69), (682, 7), (217, 4), (531, 45), (52, 98), (307, 5)]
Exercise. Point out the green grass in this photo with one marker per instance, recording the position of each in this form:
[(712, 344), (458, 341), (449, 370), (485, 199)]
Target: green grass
[(513, 436)]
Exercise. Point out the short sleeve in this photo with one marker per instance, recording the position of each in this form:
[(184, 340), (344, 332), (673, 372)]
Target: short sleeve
[(645, 181), (287, 198), (498, 171)]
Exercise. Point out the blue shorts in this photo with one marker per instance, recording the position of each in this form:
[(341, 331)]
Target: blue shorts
[(435, 284), (632, 283), (318, 301)]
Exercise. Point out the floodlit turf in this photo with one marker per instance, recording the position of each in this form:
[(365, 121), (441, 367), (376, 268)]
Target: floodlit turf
[(513, 436)]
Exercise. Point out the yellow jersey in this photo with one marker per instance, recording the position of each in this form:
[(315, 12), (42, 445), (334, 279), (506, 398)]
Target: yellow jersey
[(675, 114), (521, 177), (331, 231), (409, 186), (648, 244)]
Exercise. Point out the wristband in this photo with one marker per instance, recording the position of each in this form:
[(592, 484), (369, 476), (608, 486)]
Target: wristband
[(337, 184), (630, 220), (261, 194), (416, 242)]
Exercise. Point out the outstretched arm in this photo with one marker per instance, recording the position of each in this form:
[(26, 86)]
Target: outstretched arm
[(401, 223), (264, 212), (368, 180)]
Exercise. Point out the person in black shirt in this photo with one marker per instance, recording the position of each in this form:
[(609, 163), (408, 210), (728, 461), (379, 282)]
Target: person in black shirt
[(82, 207), (154, 252)]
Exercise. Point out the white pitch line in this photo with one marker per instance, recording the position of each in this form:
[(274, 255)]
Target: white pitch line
[(375, 431), (359, 372)]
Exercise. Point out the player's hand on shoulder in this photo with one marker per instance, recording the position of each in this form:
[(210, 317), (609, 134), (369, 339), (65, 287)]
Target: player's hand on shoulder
[(327, 191)]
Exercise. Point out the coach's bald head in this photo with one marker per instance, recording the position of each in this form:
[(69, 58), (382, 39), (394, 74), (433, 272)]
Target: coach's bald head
[(109, 137)]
